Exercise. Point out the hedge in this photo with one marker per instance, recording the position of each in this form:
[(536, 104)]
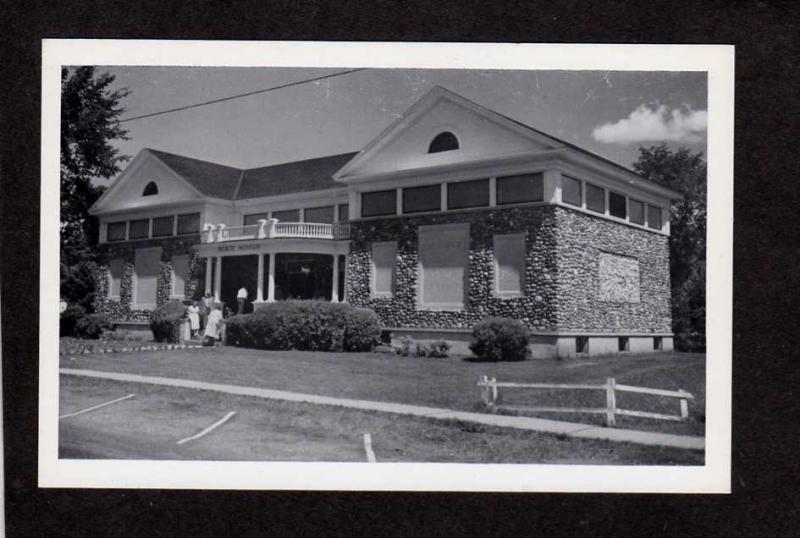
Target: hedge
[(165, 321), (500, 339), (92, 326), (306, 325), (69, 318)]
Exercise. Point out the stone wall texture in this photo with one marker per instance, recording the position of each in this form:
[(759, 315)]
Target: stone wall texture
[(562, 288), (537, 307), (121, 310), (581, 240)]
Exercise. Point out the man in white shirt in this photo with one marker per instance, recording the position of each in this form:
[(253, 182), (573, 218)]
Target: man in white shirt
[(241, 299)]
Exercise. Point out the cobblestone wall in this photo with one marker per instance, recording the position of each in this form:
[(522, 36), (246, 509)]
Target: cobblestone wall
[(122, 310), (536, 308), (582, 239)]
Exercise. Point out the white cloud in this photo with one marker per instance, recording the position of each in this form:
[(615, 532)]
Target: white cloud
[(655, 125)]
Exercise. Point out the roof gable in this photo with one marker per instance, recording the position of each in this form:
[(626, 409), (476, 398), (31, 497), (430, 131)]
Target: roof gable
[(127, 190), (481, 134), (210, 179)]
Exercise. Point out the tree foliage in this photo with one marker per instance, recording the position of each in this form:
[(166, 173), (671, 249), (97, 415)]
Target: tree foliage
[(89, 122), (685, 172)]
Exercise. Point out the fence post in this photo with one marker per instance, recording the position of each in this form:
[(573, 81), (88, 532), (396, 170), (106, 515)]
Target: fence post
[(494, 390), (611, 402), (684, 406), (483, 382)]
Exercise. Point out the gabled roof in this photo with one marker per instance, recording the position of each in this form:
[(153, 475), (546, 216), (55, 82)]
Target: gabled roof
[(298, 176), (211, 179)]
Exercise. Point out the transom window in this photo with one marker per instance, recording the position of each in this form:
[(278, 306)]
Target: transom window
[(189, 223), (445, 141), (616, 205), (468, 194), (116, 231), (519, 189), (418, 199), (150, 189), (379, 203)]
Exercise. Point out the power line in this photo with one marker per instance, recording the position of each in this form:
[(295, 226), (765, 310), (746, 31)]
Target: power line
[(231, 97)]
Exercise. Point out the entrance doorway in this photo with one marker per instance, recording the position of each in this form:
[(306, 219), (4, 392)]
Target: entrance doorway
[(238, 271), (303, 276)]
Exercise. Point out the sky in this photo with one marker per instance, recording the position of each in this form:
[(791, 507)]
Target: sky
[(608, 113)]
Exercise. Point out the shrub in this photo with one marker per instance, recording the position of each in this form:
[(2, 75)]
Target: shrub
[(421, 350), (306, 325), (165, 321), (69, 318), (500, 339), (438, 349), (92, 326), (404, 349)]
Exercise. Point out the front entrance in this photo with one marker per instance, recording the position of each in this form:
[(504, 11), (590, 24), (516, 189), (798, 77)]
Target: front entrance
[(238, 271), (303, 276)]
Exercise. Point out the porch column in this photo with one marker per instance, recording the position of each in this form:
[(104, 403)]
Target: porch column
[(209, 261), (335, 286), (260, 279), (271, 279), (345, 275), (218, 280)]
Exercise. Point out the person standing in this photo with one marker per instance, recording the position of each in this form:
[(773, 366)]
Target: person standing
[(241, 299), (194, 318), (213, 326)]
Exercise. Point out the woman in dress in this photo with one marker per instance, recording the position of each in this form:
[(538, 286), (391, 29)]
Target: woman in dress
[(213, 326), (194, 318)]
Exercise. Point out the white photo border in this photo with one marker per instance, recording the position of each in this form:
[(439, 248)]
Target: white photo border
[(713, 477)]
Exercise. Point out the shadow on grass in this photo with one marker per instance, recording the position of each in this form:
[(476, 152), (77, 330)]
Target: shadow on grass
[(472, 358)]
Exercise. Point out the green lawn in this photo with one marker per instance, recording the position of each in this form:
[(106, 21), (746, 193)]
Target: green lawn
[(448, 383)]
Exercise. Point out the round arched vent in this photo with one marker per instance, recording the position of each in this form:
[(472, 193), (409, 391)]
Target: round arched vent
[(445, 141), (150, 189)]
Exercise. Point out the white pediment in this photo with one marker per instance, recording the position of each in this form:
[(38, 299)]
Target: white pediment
[(482, 134), (127, 190)]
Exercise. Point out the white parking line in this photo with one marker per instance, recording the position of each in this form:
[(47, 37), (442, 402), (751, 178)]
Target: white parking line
[(218, 423), (95, 407), (368, 448)]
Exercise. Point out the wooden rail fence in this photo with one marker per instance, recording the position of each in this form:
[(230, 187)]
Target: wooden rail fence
[(489, 393)]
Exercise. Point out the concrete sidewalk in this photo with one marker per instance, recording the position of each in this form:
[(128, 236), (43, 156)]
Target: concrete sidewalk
[(569, 429)]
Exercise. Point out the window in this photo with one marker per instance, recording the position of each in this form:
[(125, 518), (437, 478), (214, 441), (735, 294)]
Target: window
[(636, 211), (163, 226), (595, 198), (653, 217), (445, 141), (189, 224), (384, 258), (418, 199), (115, 231), (658, 343), (377, 203), (139, 229), (319, 214), (509, 265), (468, 194), (254, 218), (616, 205), (623, 344), (519, 189), (581, 344), (147, 264), (443, 266), (180, 273), (344, 212), (287, 215), (571, 191), (115, 269), (150, 189)]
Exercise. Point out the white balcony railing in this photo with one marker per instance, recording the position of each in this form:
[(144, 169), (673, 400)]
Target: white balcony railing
[(272, 229)]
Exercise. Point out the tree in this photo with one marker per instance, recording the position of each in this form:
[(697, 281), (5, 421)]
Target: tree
[(89, 122), (684, 172)]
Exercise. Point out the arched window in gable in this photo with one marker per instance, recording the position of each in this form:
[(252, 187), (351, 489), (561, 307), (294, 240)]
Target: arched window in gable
[(150, 189), (445, 141)]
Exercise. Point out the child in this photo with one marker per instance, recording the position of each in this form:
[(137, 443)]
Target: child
[(194, 318)]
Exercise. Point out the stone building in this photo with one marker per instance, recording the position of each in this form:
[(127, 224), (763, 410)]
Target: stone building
[(454, 213)]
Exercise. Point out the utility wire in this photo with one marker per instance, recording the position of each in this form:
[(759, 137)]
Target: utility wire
[(231, 97)]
